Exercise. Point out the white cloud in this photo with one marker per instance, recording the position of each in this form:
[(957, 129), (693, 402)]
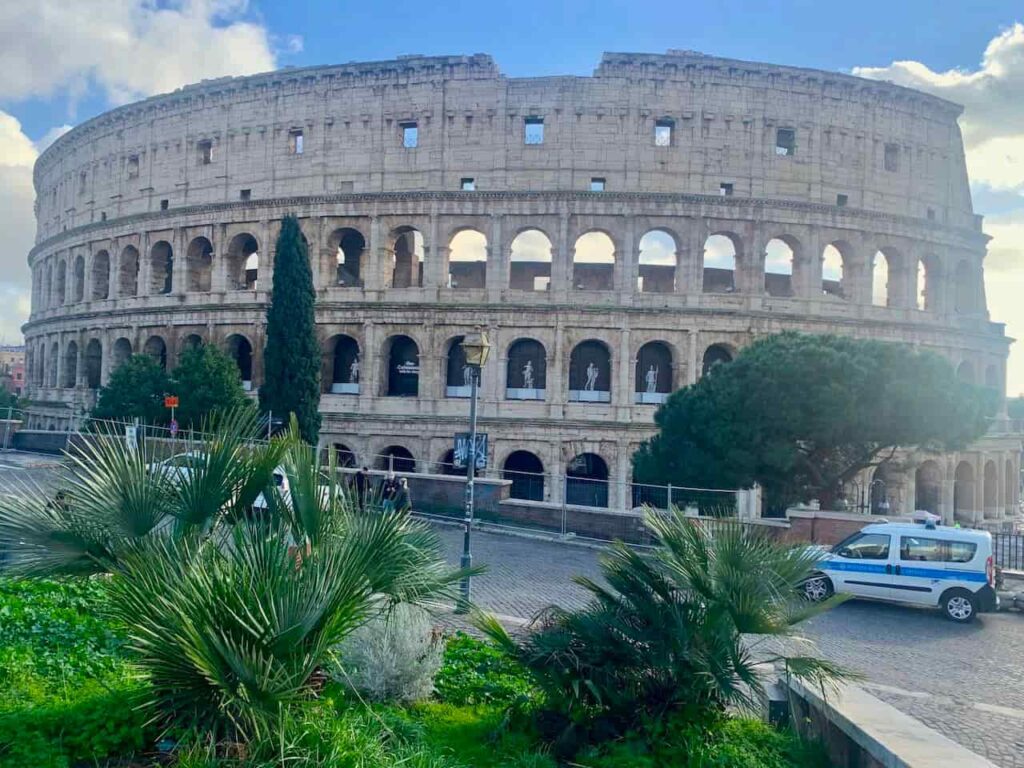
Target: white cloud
[(993, 128), (128, 48), (17, 222)]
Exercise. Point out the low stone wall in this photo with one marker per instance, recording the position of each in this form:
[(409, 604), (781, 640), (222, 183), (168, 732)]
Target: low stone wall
[(862, 731), (40, 441), (828, 528)]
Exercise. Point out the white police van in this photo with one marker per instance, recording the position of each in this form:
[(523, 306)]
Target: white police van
[(921, 564)]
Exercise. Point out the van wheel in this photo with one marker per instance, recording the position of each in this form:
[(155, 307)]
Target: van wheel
[(818, 588), (959, 606)]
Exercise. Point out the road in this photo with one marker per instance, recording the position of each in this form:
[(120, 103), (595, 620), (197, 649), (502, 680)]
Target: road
[(966, 682)]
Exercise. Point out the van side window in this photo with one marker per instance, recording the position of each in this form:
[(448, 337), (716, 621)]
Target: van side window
[(866, 546), (924, 549)]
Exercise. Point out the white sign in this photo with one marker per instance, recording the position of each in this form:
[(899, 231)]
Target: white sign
[(131, 438)]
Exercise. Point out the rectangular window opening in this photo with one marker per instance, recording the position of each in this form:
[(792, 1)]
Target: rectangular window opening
[(133, 167), (663, 132), (931, 214), (205, 152), (842, 200), (725, 189), (165, 204), (468, 185), (81, 183), (410, 135), (295, 140), (892, 157), (103, 216), (245, 195), (533, 130), (785, 141), (597, 184)]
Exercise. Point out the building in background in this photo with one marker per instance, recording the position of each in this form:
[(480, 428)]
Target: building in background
[(616, 236), (12, 369)]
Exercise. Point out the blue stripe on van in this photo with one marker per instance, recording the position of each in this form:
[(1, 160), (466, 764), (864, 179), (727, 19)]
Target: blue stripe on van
[(905, 570)]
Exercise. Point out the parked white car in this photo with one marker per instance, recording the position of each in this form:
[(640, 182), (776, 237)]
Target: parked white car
[(179, 466), (925, 564)]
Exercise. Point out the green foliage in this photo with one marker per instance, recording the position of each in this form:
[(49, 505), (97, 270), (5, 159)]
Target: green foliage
[(292, 356), (135, 389), (474, 672), (666, 633), (8, 400), (802, 414), (206, 380)]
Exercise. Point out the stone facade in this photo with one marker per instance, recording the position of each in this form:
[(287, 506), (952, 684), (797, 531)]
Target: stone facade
[(437, 195)]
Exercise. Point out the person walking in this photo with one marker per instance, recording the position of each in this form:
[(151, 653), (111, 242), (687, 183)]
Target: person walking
[(403, 500), (388, 492), (361, 482)]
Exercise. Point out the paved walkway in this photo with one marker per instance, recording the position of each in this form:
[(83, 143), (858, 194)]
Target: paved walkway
[(966, 682)]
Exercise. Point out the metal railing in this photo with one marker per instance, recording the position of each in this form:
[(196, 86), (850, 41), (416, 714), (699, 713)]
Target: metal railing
[(1008, 550), (8, 417)]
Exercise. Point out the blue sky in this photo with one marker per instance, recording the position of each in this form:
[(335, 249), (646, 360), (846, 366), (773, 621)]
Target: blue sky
[(67, 60)]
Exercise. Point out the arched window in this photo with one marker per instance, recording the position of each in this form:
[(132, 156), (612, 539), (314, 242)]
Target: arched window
[(70, 366), (467, 260), (526, 373), (965, 372), (653, 373), (100, 275), (79, 293), (593, 262), (199, 263), (243, 263), (128, 272), (122, 351), (348, 245), (192, 341), (54, 353), (344, 455), (964, 286), (161, 258), (715, 355), (586, 481), (398, 459), (990, 491), (407, 266), (240, 351), (963, 493), (526, 472), (720, 252), (344, 356), (657, 263), (458, 373), (60, 284), (832, 271), (403, 358), (48, 287), (880, 280), (590, 373), (93, 364), (530, 261), (928, 487), (779, 260), (156, 349)]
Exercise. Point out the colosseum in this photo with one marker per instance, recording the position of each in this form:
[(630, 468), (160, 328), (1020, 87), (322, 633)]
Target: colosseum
[(615, 235)]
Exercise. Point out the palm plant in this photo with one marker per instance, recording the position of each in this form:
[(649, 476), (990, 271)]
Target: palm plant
[(682, 628), (230, 610)]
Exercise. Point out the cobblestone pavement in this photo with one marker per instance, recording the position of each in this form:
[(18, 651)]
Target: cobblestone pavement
[(966, 682)]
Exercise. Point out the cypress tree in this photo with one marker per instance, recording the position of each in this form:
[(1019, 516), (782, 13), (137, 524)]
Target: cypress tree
[(292, 356)]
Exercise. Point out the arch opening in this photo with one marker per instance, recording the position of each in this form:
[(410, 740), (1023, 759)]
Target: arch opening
[(928, 487), (345, 365), (79, 279), (458, 373), (653, 374), (880, 279), (586, 481), (161, 259), (199, 264), (593, 262), (656, 270), (921, 294), (963, 493), (779, 263), (349, 245), (403, 356), (156, 348), (526, 472), (526, 371), (716, 354), (93, 364), (60, 279), (530, 261), (720, 253), (407, 258), (128, 272), (833, 271), (122, 351), (70, 366), (467, 260), (243, 263), (344, 456), (100, 275), (397, 459), (590, 373), (240, 350)]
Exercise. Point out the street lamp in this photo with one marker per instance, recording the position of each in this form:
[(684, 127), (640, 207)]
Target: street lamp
[(476, 348)]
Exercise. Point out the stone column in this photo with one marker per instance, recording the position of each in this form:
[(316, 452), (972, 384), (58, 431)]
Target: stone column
[(1000, 487), (435, 257), (557, 374), (372, 270), (179, 265), (750, 263), (554, 482), (692, 363), (370, 383), (620, 497), (979, 489), (623, 276), (266, 256), (622, 395), (947, 501), (497, 268), (811, 259), (561, 260), (145, 266), (692, 263), (492, 380)]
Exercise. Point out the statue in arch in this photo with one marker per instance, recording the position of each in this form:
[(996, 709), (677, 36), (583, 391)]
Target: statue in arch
[(591, 378), (652, 379), (467, 375), (528, 375), (353, 371)]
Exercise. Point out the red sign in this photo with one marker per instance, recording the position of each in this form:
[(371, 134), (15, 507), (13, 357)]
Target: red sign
[(171, 401)]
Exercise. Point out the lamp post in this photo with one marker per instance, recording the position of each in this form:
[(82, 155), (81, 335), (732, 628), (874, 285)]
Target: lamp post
[(476, 348)]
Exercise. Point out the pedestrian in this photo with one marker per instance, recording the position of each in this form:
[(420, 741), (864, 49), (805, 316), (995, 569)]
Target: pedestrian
[(403, 500), (388, 492), (361, 481)]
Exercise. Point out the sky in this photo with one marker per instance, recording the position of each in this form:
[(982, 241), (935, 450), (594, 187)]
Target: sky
[(63, 62)]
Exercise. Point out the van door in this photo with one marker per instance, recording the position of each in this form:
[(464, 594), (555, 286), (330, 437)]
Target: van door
[(862, 565), (920, 571)]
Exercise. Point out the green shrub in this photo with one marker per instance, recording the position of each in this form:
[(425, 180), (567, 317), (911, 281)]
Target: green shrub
[(475, 672), (95, 725)]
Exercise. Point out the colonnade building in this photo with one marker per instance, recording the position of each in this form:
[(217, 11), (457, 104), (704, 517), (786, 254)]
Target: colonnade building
[(615, 235)]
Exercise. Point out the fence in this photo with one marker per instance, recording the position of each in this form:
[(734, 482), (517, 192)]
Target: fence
[(10, 419), (1008, 550)]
